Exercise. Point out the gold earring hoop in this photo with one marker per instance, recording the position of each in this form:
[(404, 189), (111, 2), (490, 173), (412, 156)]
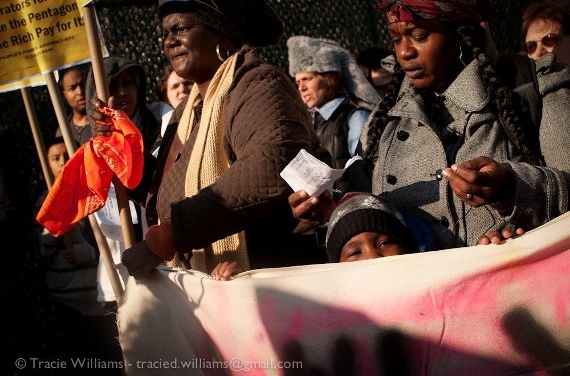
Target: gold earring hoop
[(461, 56), (220, 55)]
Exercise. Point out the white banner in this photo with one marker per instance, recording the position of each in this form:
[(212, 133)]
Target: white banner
[(483, 310)]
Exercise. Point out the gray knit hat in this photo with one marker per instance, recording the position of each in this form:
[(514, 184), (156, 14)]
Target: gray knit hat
[(360, 212), (254, 20), (308, 54)]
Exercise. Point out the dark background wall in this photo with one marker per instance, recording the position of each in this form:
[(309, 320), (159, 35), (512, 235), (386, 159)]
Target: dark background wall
[(131, 29)]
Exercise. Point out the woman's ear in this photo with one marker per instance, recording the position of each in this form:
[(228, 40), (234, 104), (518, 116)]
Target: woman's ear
[(228, 44)]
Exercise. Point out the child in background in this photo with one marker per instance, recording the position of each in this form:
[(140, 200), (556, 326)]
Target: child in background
[(70, 264), (363, 226)]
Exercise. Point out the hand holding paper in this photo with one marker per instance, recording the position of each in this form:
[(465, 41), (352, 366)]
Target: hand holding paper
[(305, 172)]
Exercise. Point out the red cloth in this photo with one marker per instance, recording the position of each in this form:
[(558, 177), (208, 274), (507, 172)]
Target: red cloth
[(83, 185), (470, 11)]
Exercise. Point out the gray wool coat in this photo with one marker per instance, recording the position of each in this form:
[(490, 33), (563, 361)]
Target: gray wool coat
[(544, 190), (412, 155), (554, 87)]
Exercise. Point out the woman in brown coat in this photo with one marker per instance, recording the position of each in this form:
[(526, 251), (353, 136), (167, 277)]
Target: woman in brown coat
[(216, 194)]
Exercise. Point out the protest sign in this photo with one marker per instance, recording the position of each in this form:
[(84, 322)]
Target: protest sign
[(39, 36), (31, 81)]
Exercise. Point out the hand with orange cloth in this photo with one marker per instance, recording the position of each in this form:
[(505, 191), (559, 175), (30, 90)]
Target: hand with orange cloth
[(83, 185)]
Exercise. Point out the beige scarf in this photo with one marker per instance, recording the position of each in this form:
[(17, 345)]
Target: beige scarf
[(202, 166)]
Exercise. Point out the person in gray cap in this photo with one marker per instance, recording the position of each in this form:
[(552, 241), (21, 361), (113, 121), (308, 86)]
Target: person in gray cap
[(214, 191), (338, 95), (364, 226)]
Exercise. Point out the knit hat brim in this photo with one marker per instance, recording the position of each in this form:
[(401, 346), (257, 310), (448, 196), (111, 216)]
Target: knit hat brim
[(359, 212), (365, 220)]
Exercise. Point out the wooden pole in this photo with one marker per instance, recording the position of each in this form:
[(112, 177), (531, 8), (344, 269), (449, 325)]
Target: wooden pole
[(99, 75), (102, 244), (38, 140), (41, 150)]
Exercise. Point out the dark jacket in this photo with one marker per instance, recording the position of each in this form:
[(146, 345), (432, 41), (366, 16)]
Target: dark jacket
[(79, 134), (74, 285), (333, 136)]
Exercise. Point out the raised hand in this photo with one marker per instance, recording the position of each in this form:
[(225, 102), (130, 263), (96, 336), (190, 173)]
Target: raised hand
[(101, 123), (481, 181)]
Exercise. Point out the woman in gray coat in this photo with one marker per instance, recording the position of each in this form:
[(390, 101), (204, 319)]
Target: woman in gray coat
[(550, 97), (447, 144)]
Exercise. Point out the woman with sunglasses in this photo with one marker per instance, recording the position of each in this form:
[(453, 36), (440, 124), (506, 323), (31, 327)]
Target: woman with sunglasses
[(545, 28), (216, 195), (447, 145), (544, 32)]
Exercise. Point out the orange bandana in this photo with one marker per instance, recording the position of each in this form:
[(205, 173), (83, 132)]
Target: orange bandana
[(83, 185)]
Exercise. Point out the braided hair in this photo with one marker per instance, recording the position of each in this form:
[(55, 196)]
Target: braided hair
[(379, 118), (506, 103), (472, 41)]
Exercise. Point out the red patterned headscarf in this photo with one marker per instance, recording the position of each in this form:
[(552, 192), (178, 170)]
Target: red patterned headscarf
[(462, 11)]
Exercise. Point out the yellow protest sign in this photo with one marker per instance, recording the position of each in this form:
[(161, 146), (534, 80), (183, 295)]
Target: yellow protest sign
[(81, 4), (38, 80), (39, 36)]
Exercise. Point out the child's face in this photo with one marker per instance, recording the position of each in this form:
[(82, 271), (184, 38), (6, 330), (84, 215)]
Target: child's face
[(57, 156), (370, 245)]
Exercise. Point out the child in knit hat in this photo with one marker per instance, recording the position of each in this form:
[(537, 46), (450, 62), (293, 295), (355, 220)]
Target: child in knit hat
[(361, 227), (364, 226)]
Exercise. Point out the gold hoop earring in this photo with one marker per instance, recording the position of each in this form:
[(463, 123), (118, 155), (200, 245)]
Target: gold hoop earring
[(461, 56), (219, 55)]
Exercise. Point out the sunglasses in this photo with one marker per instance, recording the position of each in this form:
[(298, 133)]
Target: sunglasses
[(549, 40)]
